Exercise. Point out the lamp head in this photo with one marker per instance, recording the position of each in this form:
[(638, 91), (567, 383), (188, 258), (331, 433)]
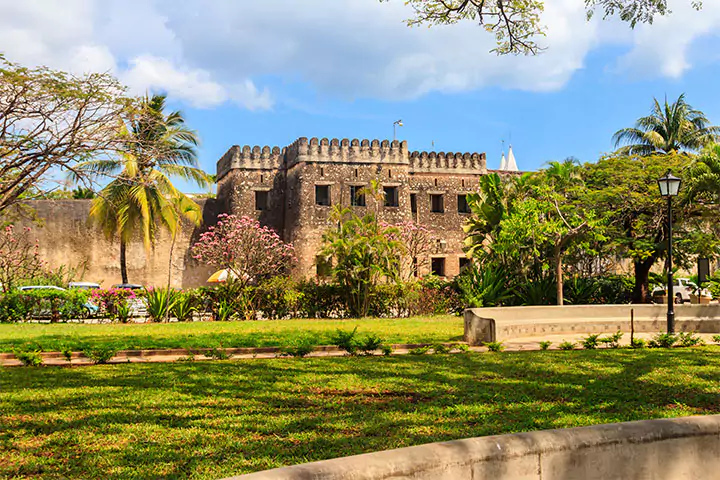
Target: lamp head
[(669, 185)]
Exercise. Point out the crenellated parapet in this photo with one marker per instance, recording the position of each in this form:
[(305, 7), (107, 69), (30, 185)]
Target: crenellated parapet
[(251, 158), (344, 150), (441, 162)]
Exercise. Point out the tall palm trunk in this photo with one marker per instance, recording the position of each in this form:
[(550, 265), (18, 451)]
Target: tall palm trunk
[(172, 247), (123, 261)]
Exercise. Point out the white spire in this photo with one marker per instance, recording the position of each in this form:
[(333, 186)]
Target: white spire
[(503, 162), (511, 165)]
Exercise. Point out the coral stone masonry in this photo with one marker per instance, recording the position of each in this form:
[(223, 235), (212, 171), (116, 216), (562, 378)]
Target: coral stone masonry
[(293, 190)]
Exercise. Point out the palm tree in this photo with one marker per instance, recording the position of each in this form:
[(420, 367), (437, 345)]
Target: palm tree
[(703, 176), (562, 175), (670, 128), (141, 196)]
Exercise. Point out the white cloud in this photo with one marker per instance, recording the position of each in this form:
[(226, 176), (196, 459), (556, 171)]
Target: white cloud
[(207, 53)]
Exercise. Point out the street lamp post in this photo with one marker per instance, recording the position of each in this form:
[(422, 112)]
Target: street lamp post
[(396, 124), (669, 188)]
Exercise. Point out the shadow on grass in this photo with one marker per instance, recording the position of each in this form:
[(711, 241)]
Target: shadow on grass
[(214, 419)]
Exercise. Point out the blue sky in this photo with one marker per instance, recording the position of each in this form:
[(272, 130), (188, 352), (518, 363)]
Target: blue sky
[(265, 73)]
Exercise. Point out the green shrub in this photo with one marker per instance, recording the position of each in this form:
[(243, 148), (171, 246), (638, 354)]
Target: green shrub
[(638, 343), (224, 311), (590, 342), (184, 306), (544, 345), (716, 338), (612, 341), (663, 340), (419, 350), (101, 354), (581, 290), (345, 340), (67, 353), (565, 345), (160, 302), (300, 346), (495, 346), (461, 347), (278, 298), (484, 287), (370, 344), (689, 339), (321, 300), (112, 301), (386, 350), (538, 291), (29, 358), (56, 305), (218, 354), (123, 311), (441, 349)]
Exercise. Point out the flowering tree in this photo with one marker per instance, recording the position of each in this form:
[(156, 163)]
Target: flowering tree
[(19, 257), (249, 251), (417, 243)]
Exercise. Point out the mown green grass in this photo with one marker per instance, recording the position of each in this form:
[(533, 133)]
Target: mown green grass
[(215, 419), (269, 333)]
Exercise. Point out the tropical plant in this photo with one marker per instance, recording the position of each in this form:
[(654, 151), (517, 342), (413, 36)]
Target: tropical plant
[(249, 251), (484, 286), (345, 340), (495, 346), (669, 129), (183, 306), (100, 355), (370, 344), (159, 302), (590, 342), (488, 207), (565, 345), (663, 340), (141, 197), (545, 344), (300, 346)]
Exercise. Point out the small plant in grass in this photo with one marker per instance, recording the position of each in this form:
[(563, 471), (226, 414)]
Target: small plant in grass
[(29, 358), (461, 347), (100, 355), (218, 354), (544, 345), (67, 353), (565, 345), (663, 340), (420, 350), (590, 342), (612, 341), (716, 338), (386, 350), (441, 349), (189, 358), (495, 346), (345, 340), (689, 339), (370, 344), (638, 343), (184, 307), (299, 346)]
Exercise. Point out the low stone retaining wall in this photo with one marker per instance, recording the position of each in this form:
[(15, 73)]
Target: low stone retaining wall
[(668, 449), (504, 323)]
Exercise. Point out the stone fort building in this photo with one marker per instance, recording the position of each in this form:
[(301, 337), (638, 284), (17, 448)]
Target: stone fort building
[(293, 190)]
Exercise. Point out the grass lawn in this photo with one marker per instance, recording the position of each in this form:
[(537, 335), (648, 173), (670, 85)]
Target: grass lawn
[(215, 419), (269, 333)]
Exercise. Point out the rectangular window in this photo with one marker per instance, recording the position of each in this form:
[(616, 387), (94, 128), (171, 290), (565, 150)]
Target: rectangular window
[(464, 263), (413, 202), (438, 267), (324, 266), (391, 196), (357, 199), (322, 195), (261, 200), (437, 204), (463, 206)]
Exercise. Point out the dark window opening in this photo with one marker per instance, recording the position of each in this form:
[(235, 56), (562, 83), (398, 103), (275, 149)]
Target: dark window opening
[(322, 172), (463, 182), (436, 182), (415, 267), (438, 267), (463, 206), (322, 195), (261, 179), (324, 266), (391, 196), (357, 199), (261, 200), (436, 204), (413, 202), (464, 263), (389, 174), (356, 173)]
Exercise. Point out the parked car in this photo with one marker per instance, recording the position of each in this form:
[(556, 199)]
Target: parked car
[(129, 286), (682, 289), (90, 307), (84, 285)]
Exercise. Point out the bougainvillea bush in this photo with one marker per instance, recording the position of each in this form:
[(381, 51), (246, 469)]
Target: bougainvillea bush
[(112, 302), (19, 257), (248, 250)]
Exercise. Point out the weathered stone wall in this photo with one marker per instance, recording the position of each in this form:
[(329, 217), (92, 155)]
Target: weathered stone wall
[(66, 238), (341, 164)]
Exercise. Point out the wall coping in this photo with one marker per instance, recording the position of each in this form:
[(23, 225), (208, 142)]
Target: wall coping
[(416, 462)]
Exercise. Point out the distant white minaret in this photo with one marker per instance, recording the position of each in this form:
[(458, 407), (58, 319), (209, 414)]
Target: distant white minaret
[(510, 165), (503, 162)]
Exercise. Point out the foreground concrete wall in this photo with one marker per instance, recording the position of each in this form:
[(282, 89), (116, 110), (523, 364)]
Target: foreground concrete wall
[(66, 238), (504, 323), (668, 449)]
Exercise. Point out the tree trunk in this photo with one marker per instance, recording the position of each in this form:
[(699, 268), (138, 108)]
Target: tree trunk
[(559, 273), (172, 247), (123, 261), (642, 272)]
